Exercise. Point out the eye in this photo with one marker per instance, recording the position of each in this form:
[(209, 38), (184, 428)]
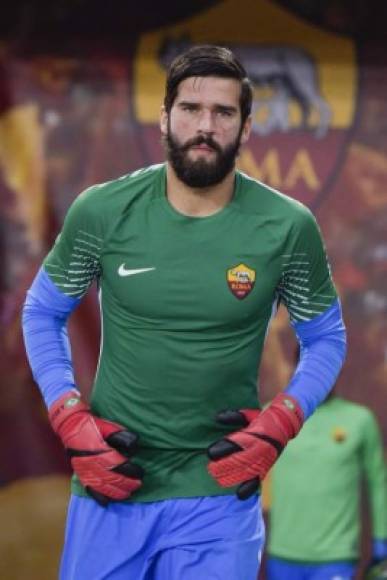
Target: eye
[(225, 113), (189, 107)]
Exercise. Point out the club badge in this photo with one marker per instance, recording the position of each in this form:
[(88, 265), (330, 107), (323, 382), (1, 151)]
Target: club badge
[(339, 435), (241, 280)]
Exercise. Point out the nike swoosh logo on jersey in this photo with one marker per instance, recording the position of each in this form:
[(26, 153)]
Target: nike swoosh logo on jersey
[(122, 271)]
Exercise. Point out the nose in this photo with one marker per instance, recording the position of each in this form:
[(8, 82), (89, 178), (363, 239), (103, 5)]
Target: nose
[(206, 122)]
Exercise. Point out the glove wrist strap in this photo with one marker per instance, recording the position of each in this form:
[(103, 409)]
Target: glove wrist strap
[(288, 406), (65, 407)]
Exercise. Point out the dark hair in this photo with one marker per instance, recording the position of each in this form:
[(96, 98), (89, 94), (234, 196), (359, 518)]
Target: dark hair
[(203, 61)]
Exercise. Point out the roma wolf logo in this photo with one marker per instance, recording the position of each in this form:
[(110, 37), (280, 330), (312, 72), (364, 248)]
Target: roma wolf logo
[(288, 73)]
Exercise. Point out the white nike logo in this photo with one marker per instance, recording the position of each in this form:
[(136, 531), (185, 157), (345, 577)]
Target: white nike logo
[(122, 271)]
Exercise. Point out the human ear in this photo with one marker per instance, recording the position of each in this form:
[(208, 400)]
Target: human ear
[(246, 130), (163, 121)]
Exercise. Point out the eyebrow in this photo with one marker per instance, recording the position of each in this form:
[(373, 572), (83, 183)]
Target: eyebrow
[(217, 106), (190, 103)]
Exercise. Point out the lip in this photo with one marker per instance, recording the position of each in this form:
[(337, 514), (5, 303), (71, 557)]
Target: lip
[(203, 148)]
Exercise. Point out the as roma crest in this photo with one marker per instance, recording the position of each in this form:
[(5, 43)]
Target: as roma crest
[(241, 280)]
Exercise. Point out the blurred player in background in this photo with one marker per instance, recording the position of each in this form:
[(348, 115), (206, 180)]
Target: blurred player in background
[(191, 258), (315, 491)]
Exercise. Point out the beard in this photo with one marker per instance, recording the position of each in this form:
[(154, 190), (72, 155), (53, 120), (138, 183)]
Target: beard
[(201, 173)]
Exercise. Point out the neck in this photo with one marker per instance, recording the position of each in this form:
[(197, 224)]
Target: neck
[(198, 202)]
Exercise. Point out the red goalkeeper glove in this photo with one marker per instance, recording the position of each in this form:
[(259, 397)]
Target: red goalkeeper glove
[(244, 457), (99, 450)]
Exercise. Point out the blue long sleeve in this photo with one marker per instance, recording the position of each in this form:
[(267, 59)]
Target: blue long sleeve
[(323, 349), (44, 319)]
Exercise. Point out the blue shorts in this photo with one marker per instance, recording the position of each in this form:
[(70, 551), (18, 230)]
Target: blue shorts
[(198, 538), (277, 569)]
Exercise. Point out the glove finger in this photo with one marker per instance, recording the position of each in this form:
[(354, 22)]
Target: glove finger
[(101, 499), (124, 441), (250, 415), (232, 417), (248, 488), (222, 448), (130, 470), (106, 427)]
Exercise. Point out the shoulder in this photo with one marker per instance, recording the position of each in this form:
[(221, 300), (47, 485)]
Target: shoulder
[(357, 412), (258, 198), (121, 190), (99, 206)]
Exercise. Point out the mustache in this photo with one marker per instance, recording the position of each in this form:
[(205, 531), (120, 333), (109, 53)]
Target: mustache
[(202, 140)]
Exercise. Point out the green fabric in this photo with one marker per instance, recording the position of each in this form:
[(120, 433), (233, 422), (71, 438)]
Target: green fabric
[(178, 342), (316, 486)]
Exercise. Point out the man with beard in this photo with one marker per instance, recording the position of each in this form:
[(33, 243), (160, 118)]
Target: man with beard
[(190, 257)]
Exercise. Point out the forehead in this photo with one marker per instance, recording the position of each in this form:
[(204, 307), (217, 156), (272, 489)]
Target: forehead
[(209, 90)]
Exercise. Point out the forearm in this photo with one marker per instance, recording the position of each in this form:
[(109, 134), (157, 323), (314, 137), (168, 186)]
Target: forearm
[(45, 315), (98, 449), (378, 501), (323, 348), (375, 474)]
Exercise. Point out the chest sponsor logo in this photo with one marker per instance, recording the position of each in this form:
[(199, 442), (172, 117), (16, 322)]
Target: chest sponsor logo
[(122, 271), (241, 280)]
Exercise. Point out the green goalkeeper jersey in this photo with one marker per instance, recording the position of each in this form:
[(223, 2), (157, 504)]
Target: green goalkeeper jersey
[(316, 486), (185, 306)]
